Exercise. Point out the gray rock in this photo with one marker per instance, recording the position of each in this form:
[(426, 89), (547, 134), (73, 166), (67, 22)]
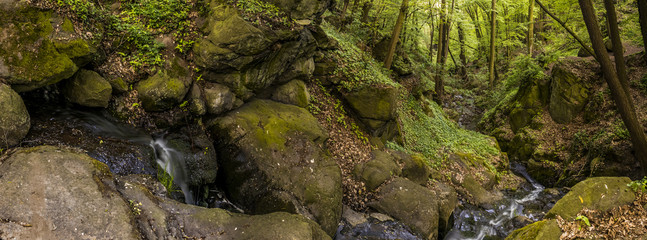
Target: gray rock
[(88, 88), (294, 92), (218, 98), (14, 118), (272, 160), (378, 170), (60, 194)]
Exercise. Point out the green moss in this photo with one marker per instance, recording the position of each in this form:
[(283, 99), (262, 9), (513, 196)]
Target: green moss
[(75, 48), (542, 230), (67, 26)]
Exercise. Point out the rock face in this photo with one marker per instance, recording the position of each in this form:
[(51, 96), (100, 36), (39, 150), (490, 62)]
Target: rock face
[(165, 89), (273, 161), (159, 218), (293, 92), (35, 50), (412, 204), (569, 94), (218, 98), (542, 230), (378, 170), (61, 195), (198, 153), (302, 9), (88, 88), (598, 193), (14, 118)]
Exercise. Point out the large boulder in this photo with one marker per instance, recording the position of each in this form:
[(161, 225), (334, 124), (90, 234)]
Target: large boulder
[(542, 230), (88, 88), (165, 89), (375, 105), (273, 160), (378, 170), (218, 98), (531, 98), (598, 193), (569, 93), (412, 204), (36, 49), (294, 92), (198, 153), (52, 193), (160, 218), (14, 118)]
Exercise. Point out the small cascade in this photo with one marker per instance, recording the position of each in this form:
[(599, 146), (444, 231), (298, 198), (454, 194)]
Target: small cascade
[(473, 223), (174, 165)]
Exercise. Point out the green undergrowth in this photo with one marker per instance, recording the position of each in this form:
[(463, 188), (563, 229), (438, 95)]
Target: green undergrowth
[(355, 66), (263, 13), (132, 28), (427, 130)]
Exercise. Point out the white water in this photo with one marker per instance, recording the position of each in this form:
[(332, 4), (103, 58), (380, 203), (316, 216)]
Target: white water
[(506, 212)]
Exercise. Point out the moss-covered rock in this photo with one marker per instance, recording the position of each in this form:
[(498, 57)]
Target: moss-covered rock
[(301, 69), (197, 104), (412, 204), (378, 170), (88, 88), (231, 42), (414, 167), (542, 230), (598, 193), (569, 93), (166, 88), (32, 53), (272, 159), (14, 118), (199, 155), (218, 98), (374, 103), (532, 96), (302, 9), (62, 195), (295, 92), (161, 218)]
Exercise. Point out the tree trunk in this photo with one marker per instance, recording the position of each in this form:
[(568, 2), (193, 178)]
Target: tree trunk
[(587, 48), (642, 14), (531, 26), (621, 99), (431, 39), (492, 42), (396, 35), (440, 58), (618, 51), (462, 56), (365, 10)]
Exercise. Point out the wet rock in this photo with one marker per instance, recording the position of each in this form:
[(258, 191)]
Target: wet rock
[(165, 89), (569, 93), (542, 230), (412, 204), (88, 88), (57, 193), (447, 202), (35, 50), (598, 193), (473, 190), (14, 118), (218, 98), (199, 155), (521, 221), (294, 92), (378, 170), (272, 160)]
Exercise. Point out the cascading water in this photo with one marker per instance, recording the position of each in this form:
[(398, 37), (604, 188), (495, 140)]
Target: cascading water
[(473, 223), (173, 164)]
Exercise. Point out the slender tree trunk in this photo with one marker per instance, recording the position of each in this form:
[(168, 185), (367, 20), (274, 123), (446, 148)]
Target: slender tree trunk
[(531, 26), (431, 39), (587, 48), (365, 11), (620, 97), (642, 14), (462, 56), (618, 51), (438, 79), (396, 34), (492, 42)]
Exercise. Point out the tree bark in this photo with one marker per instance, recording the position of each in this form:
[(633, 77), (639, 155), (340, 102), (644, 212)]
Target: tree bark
[(621, 99), (492, 42), (618, 51), (531, 26), (396, 35), (642, 15), (462, 56), (587, 48), (441, 55)]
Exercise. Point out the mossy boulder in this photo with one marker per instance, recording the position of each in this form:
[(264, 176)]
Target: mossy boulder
[(302, 9), (61, 194), (197, 105), (532, 96), (218, 98), (230, 42), (598, 193), (378, 170), (301, 69), (161, 218), (273, 160), (412, 204), (294, 92), (569, 93), (88, 88), (374, 103), (166, 88), (542, 230), (32, 52), (414, 167), (14, 118)]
